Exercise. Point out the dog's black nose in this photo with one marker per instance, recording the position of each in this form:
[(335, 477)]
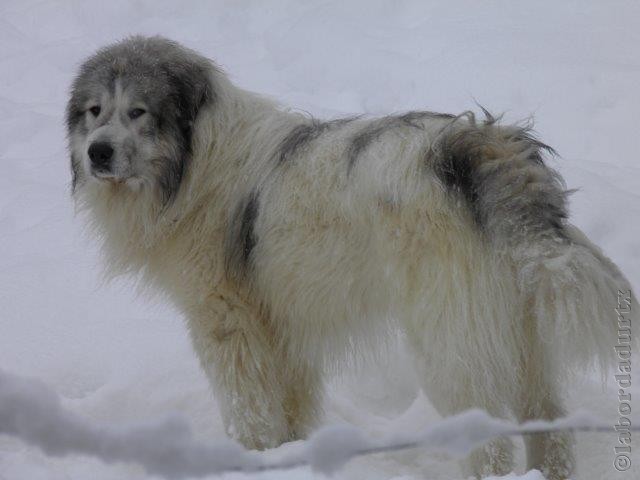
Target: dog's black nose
[(100, 154)]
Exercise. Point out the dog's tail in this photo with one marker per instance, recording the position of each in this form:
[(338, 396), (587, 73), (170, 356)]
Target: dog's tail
[(579, 300)]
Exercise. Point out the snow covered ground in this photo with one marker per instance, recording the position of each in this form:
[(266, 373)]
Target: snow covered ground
[(117, 358)]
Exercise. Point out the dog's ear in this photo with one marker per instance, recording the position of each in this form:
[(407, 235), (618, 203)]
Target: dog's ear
[(190, 85), (189, 90), (73, 116)]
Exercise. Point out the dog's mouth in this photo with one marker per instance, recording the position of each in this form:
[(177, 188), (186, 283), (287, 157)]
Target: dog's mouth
[(108, 177), (132, 181)]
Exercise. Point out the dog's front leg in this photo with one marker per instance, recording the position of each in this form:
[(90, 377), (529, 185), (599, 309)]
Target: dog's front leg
[(236, 350)]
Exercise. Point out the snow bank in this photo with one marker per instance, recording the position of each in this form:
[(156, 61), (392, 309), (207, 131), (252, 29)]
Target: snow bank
[(32, 412)]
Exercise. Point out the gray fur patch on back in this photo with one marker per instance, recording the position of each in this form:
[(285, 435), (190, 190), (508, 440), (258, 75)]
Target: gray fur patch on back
[(303, 134), (361, 141), (500, 173), (241, 238)]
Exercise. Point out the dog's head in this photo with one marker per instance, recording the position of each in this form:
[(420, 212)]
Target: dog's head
[(131, 114)]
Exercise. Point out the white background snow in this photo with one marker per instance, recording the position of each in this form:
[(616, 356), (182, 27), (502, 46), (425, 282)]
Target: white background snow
[(116, 357)]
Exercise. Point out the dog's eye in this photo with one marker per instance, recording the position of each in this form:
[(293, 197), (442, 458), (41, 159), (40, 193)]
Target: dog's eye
[(95, 111), (136, 112)]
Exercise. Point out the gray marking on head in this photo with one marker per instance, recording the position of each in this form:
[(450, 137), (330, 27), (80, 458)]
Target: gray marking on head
[(301, 135), (241, 238), (174, 83), (363, 139), (501, 175)]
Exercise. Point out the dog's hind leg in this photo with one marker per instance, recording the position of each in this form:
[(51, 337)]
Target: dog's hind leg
[(466, 341), (237, 352), (453, 390), (550, 453)]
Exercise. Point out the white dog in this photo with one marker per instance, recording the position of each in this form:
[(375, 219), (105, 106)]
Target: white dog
[(290, 242)]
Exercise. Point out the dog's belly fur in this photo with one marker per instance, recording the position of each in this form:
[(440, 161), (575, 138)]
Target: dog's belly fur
[(290, 243)]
